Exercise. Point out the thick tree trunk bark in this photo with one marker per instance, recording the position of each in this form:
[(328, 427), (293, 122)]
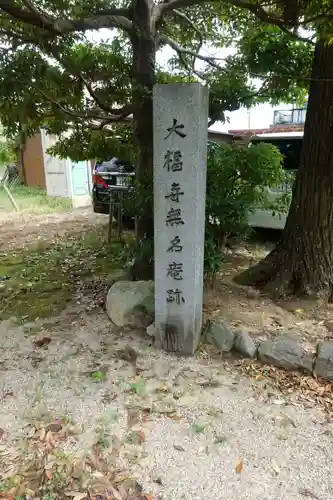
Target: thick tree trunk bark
[(144, 53), (302, 262)]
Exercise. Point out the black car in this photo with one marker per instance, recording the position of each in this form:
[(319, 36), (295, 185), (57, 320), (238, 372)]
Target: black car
[(117, 175), (111, 175)]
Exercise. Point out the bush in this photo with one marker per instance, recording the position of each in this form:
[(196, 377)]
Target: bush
[(237, 181)]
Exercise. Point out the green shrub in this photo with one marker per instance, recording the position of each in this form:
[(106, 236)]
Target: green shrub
[(237, 178)]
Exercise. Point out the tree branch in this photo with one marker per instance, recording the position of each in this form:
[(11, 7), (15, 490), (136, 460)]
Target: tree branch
[(109, 18), (34, 10), (94, 22), (123, 113), (75, 114), (119, 114), (183, 16), (189, 21), (56, 53), (102, 104), (28, 16), (255, 8), (182, 50)]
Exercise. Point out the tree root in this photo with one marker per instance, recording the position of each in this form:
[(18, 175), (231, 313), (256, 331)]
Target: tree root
[(257, 275), (278, 280)]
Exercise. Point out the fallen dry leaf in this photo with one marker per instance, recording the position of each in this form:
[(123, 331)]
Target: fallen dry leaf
[(133, 416), (42, 342), (148, 496), (173, 416), (77, 495), (48, 474), (142, 436), (239, 467), (42, 434), (275, 467), (122, 491), (178, 447), (127, 354), (307, 493), (55, 426), (115, 493), (49, 439), (2, 432)]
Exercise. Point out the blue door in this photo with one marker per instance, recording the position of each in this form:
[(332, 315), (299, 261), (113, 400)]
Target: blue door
[(80, 180)]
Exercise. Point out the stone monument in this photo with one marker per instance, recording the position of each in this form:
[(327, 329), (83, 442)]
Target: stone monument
[(180, 157)]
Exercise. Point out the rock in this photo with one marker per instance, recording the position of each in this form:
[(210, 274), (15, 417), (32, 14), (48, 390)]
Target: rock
[(245, 345), (55, 426), (139, 318), (252, 293), (127, 354), (324, 360), (222, 335), (131, 303), (286, 353), (117, 275), (329, 325), (150, 330)]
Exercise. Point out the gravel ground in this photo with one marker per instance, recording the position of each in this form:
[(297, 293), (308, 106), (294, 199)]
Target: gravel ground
[(210, 432)]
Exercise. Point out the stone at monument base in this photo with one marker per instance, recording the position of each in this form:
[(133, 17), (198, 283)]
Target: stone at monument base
[(131, 303)]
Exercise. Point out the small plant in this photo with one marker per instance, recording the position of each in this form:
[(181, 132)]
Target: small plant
[(136, 437), (220, 439), (138, 387), (38, 396), (102, 439), (237, 181), (198, 427), (98, 376), (102, 430), (9, 483)]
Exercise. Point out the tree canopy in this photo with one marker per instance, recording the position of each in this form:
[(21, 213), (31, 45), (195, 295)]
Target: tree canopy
[(53, 75)]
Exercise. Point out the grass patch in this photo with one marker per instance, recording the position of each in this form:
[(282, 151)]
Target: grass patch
[(39, 281), (198, 427), (32, 200)]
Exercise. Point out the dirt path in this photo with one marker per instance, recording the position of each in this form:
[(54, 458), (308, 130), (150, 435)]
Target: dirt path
[(80, 413), (183, 428), (18, 231)]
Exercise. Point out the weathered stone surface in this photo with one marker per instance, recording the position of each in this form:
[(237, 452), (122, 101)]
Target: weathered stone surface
[(131, 303), (244, 345), (286, 353), (180, 157), (222, 335), (324, 360), (329, 325), (151, 330)]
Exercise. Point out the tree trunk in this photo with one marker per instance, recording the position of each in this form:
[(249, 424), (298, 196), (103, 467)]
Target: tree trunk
[(302, 262), (144, 54)]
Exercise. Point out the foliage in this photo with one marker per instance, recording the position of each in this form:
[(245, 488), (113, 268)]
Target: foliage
[(53, 75), (75, 86), (237, 181), (7, 152)]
